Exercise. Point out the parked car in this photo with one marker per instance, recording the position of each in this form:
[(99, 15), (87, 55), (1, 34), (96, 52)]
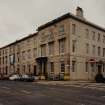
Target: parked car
[(27, 78), (14, 77), (100, 78)]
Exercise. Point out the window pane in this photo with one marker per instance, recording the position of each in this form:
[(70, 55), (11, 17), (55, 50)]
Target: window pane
[(73, 29), (73, 66), (87, 48), (87, 33), (86, 66), (61, 29), (52, 66), (99, 51), (62, 67), (61, 46), (43, 50), (73, 45), (93, 35), (51, 48)]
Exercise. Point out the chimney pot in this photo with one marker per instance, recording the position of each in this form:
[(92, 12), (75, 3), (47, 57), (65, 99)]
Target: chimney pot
[(79, 12)]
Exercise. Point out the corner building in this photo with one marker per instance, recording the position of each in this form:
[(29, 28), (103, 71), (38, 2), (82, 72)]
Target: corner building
[(69, 47)]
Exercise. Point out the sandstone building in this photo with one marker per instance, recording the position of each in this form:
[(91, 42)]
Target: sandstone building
[(68, 47)]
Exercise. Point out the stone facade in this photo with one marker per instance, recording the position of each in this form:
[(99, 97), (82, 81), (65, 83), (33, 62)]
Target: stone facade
[(68, 47)]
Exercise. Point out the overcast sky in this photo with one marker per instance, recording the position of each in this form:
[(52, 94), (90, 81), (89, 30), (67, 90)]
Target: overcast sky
[(18, 18)]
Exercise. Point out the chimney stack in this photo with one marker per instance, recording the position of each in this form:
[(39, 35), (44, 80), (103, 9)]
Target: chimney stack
[(79, 12)]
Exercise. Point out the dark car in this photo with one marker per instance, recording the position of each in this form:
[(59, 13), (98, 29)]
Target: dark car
[(27, 78), (99, 78)]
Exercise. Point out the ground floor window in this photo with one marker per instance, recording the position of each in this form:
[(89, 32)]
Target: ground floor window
[(92, 67), (35, 70), (73, 66), (18, 68), (6, 70), (24, 68), (52, 66), (86, 66), (62, 66), (29, 68), (103, 67)]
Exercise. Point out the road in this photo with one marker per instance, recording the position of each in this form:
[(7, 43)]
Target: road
[(26, 93)]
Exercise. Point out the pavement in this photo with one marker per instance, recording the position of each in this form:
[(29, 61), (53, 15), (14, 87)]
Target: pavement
[(40, 93), (82, 84)]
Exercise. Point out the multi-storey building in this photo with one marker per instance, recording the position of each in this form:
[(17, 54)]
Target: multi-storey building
[(19, 56), (69, 47)]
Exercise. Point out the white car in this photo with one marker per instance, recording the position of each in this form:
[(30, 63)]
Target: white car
[(14, 77)]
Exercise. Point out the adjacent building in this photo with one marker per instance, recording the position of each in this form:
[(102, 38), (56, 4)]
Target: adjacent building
[(68, 47)]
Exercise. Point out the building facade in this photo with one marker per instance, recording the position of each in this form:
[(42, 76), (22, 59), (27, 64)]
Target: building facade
[(69, 47)]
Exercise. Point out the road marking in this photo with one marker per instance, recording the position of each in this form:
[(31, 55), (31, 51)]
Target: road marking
[(5, 87), (25, 91)]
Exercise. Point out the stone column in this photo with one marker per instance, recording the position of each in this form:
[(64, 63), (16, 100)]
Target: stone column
[(42, 72), (67, 69)]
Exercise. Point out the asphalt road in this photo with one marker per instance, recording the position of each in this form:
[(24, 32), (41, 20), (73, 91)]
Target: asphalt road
[(25, 93)]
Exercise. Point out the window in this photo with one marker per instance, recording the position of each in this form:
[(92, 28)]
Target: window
[(6, 70), (73, 29), (86, 64), (29, 68), (73, 45), (5, 59), (18, 68), (103, 67), (43, 50), (93, 35), (51, 48), (18, 58), (35, 42), (93, 49), (98, 36), (23, 55), (3, 51), (0, 60), (87, 33), (24, 68), (103, 52), (103, 38), (50, 35), (62, 66), (23, 44), (34, 52), (28, 42), (73, 66), (61, 46), (18, 48), (61, 29), (87, 48), (52, 66), (29, 54), (92, 67), (6, 51), (99, 51)]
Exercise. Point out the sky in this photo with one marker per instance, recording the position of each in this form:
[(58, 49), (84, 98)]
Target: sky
[(19, 18)]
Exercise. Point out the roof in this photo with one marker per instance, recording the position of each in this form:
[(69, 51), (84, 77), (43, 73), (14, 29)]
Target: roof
[(69, 15), (17, 41)]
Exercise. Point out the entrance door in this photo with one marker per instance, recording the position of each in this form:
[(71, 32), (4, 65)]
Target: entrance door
[(35, 70), (45, 68), (99, 69)]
